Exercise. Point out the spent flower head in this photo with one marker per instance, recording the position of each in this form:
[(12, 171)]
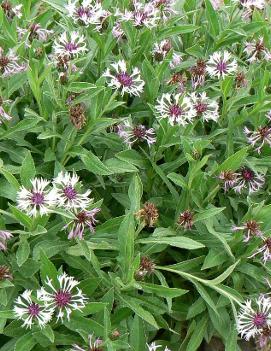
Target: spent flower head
[(135, 133)]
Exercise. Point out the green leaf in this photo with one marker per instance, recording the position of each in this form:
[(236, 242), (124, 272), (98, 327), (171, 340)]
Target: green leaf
[(47, 268), (23, 252), (28, 170), (176, 241), (137, 334), (25, 343), (234, 161), (176, 30), (141, 312), (94, 165), (135, 192), (210, 212), (198, 335), (178, 180), (212, 18), (160, 290)]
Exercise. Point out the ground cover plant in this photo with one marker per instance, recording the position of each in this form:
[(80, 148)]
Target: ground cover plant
[(135, 175)]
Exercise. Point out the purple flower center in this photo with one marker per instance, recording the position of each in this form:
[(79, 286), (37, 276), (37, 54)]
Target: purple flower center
[(201, 107), (125, 79), (37, 198), (83, 11), (175, 110), (62, 298), (71, 46), (221, 66), (259, 320), (139, 132), (247, 174), (70, 192), (34, 309)]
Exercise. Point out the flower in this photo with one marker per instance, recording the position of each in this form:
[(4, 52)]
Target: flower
[(256, 50), (205, 107), (78, 115), (142, 15), (67, 187), (154, 347), (217, 4), (63, 298), (93, 346), (254, 317), (30, 311), (186, 219), (4, 116), (251, 229), (4, 237), (249, 6), (87, 13), (11, 11), (82, 219), (166, 8), (240, 80), (37, 200), (221, 64), (265, 250), (161, 50), (9, 64), (122, 80), (198, 72), (175, 61), (35, 31), (228, 177), (262, 135), (246, 178), (70, 45), (5, 273), (131, 134), (147, 267), (177, 108), (149, 214), (117, 31)]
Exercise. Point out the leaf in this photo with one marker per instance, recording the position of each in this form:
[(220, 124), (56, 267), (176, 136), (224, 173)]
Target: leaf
[(141, 312), (23, 252), (163, 291), (198, 334), (28, 170), (47, 268), (25, 343), (176, 30), (135, 192), (176, 241), (225, 274), (94, 165), (234, 161), (212, 18), (126, 245), (178, 180), (137, 334), (210, 212)]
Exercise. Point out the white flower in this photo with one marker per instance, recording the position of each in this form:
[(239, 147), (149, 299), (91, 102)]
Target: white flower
[(253, 317), (67, 187), (4, 116), (262, 135), (117, 31), (4, 237), (175, 61), (166, 8), (249, 6), (217, 4), (35, 31), (205, 107), (130, 133), (178, 109), (122, 80), (92, 346), (89, 12), (70, 45), (160, 50), (251, 229), (256, 50), (10, 10), (37, 200), (142, 15), (9, 64), (30, 311), (228, 179), (265, 250), (63, 298), (221, 64), (246, 178), (154, 347), (82, 219)]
